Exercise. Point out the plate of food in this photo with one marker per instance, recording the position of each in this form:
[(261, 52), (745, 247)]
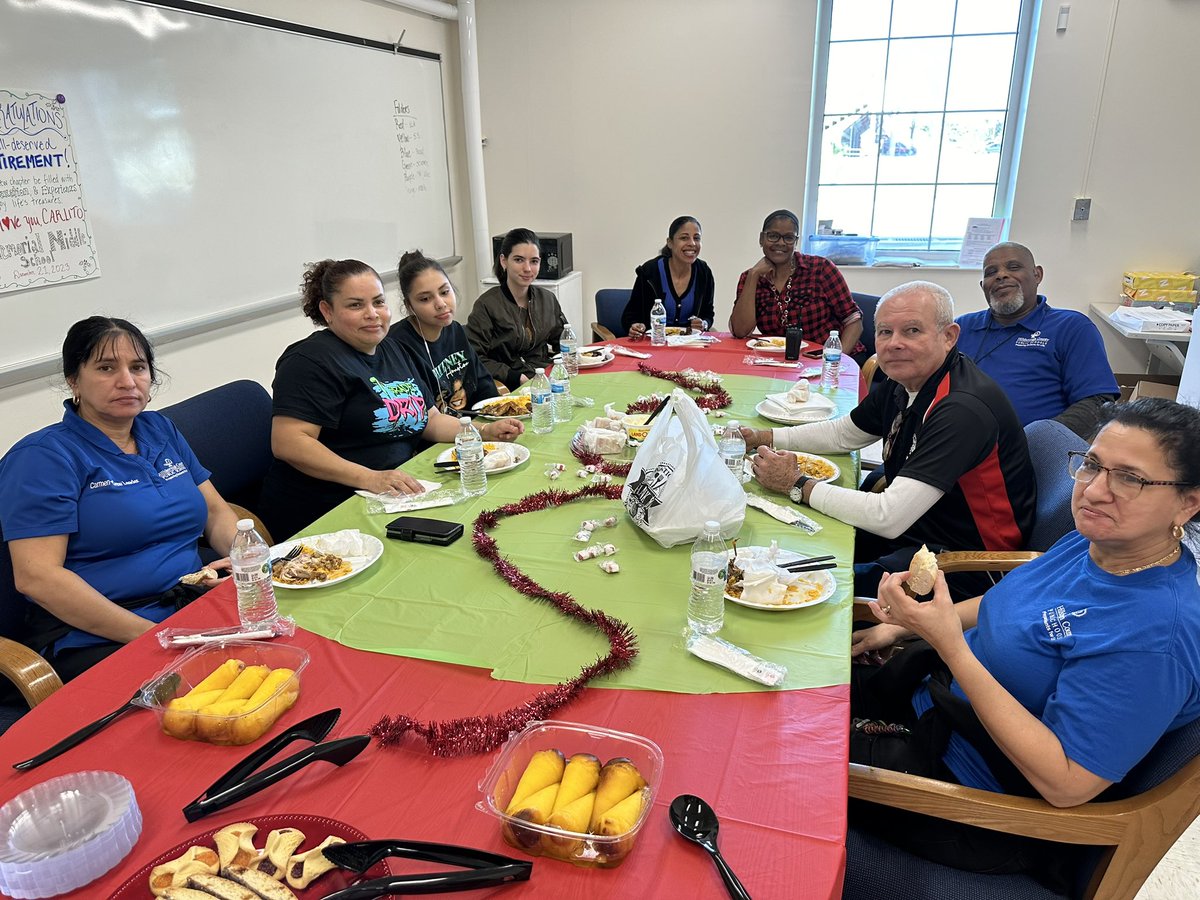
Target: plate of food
[(677, 330), (815, 467), (497, 457), (510, 406), (755, 581), (767, 344), (323, 559), (816, 410), (254, 835), (591, 357)]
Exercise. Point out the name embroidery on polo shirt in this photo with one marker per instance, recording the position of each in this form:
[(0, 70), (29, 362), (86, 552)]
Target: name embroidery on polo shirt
[(1057, 622), (1034, 341), (108, 482), (171, 469)]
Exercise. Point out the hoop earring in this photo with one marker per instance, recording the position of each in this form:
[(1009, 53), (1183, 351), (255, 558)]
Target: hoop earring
[(1177, 532)]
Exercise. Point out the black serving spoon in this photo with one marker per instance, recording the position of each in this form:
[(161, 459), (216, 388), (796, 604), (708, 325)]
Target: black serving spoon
[(697, 821)]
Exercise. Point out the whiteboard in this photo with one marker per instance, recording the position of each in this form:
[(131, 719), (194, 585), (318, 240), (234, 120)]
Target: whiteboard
[(219, 157)]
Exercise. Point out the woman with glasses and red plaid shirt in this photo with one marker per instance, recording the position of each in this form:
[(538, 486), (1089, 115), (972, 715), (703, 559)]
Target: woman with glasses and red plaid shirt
[(788, 288)]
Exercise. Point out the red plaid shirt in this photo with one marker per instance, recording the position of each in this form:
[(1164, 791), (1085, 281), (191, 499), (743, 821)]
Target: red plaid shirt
[(815, 297)]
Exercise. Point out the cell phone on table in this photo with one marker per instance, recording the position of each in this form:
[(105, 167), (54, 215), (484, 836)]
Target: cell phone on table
[(815, 353), (424, 531)]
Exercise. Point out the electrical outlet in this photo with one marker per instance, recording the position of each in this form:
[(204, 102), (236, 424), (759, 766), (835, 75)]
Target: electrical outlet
[(1083, 209)]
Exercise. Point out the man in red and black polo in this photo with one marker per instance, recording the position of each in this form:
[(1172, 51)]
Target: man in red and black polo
[(955, 458)]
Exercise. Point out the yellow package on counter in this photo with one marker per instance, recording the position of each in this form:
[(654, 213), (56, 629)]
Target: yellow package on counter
[(1162, 281)]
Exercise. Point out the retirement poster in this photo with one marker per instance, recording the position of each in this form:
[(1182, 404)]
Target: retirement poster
[(45, 235)]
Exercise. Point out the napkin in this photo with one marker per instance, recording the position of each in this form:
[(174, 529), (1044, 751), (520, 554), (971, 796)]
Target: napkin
[(763, 582), (392, 502), (784, 514), (625, 351), (690, 340), (499, 458), (815, 408)]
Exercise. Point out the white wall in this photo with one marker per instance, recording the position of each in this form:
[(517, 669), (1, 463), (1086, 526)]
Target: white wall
[(250, 350), (608, 119)]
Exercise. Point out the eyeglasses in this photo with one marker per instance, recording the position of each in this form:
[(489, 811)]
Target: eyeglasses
[(774, 237), (1124, 485)]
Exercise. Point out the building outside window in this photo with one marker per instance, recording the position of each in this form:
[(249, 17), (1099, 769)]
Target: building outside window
[(916, 119)]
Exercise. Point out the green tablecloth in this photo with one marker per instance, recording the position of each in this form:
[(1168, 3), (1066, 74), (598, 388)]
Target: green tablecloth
[(446, 603)]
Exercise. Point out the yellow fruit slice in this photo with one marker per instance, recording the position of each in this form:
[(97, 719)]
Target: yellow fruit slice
[(580, 777), (545, 768)]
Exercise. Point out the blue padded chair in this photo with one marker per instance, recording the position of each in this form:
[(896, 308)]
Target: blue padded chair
[(867, 303), (1129, 828), (610, 304), (229, 430)]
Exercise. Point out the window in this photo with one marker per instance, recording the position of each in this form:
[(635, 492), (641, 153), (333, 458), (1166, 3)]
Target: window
[(917, 113)]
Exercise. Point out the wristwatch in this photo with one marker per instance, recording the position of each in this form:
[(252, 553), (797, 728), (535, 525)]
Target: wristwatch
[(796, 494)]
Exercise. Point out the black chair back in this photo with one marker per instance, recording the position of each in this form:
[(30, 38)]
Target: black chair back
[(229, 430), (12, 602), (866, 303)]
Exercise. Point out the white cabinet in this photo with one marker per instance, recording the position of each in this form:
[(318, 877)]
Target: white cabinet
[(569, 291)]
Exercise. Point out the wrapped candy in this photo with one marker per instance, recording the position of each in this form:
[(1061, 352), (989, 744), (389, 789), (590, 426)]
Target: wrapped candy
[(588, 553), (610, 522), (718, 413), (601, 478), (609, 549), (583, 536), (610, 566), (559, 467), (554, 476), (589, 524), (591, 468), (552, 468), (582, 473)]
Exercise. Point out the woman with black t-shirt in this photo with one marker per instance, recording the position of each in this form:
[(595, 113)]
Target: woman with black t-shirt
[(448, 361), (348, 406)]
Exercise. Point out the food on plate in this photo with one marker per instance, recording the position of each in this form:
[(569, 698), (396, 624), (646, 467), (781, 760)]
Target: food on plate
[(573, 816), (185, 893), (261, 884), (310, 566), (618, 779), (305, 868), (236, 714), (235, 844), (510, 405), (545, 768), (816, 468), (535, 809), (282, 843), (922, 572), (205, 574), (770, 342), (487, 448), (598, 353), (580, 777), (678, 329), (221, 888), (754, 576), (174, 874)]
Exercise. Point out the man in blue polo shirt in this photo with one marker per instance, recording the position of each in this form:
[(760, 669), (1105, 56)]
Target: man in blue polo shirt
[(1050, 362)]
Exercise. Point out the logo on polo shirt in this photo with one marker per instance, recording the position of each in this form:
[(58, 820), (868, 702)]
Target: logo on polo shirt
[(1057, 622), (1034, 340), (172, 469)]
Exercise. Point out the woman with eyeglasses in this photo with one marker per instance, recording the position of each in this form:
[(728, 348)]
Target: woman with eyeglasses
[(678, 277), (1065, 674), (787, 288)]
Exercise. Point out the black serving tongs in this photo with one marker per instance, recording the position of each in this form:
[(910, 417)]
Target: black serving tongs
[(483, 869), (243, 779)]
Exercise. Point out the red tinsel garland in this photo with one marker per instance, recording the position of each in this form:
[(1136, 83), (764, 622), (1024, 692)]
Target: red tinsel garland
[(479, 734), (712, 395)]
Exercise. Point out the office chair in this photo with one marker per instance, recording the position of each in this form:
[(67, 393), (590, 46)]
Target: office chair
[(610, 304)]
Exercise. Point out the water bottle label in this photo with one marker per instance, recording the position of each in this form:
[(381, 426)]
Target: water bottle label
[(559, 388), (708, 578), (541, 398)]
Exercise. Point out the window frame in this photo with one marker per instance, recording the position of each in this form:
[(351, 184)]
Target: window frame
[(1010, 145)]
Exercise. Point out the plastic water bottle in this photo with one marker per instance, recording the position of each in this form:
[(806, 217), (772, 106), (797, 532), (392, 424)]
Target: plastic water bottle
[(251, 559), (831, 365), (569, 345), (658, 323), (560, 391), (706, 606), (732, 448), (468, 447), (543, 409)]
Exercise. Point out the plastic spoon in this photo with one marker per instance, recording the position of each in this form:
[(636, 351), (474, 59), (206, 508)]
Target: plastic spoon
[(697, 821)]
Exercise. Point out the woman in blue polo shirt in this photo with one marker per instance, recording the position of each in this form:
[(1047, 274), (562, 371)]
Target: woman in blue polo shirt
[(678, 277), (102, 511)]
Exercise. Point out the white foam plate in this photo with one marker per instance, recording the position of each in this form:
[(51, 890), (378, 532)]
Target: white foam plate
[(837, 472), (767, 344), (479, 408), (769, 411), (520, 453), (372, 544), (591, 362), (823, 579)]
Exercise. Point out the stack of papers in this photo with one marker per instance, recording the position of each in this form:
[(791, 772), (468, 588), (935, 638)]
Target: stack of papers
[(1142, 318)]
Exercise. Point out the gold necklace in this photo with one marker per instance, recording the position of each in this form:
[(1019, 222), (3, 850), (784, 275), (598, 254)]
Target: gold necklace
[(1157, 562)]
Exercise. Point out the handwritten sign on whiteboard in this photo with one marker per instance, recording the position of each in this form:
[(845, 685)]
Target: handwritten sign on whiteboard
[(45, 235)]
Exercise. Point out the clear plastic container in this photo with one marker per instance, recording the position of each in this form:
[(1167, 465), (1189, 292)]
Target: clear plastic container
[(66, 832), (844, 249), (581, 849), (247, 723)]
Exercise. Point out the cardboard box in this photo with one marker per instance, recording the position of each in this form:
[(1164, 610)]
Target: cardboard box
[(1141, 384), (1148, 296), (1163, 281)]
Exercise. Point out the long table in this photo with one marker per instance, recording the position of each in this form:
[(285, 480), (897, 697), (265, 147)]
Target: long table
[(772, 762)]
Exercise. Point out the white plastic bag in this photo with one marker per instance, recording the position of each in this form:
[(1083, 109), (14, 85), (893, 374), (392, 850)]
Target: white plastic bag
[(678, 481)]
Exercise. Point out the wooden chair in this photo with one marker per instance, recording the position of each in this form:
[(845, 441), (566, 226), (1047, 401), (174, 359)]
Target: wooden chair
[(610, 304)]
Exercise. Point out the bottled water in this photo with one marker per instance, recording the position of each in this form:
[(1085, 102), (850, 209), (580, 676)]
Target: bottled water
[(732, 448), (569, 345), (560, 391), (658, 323), (251, 559), (831, 365), (706, 606), (468, 447), (543, 409)]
